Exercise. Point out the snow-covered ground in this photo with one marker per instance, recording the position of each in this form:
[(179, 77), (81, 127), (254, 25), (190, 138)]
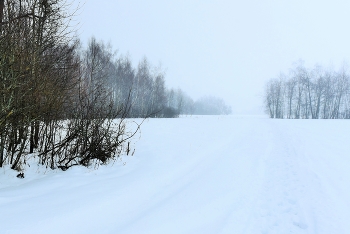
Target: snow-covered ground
[(218, 174)]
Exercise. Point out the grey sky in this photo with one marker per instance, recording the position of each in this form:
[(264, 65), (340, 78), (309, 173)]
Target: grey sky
[(224, 48)]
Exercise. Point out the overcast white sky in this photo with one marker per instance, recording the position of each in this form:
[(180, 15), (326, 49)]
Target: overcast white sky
[(225, 48)]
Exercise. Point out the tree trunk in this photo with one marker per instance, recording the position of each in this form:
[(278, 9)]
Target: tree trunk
[(1, 13)]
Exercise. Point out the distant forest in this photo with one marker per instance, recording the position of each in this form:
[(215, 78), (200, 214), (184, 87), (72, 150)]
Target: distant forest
[(316, 93), (142, 87), (68, 105)]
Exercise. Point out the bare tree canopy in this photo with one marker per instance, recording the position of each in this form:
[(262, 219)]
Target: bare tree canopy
[(309, 93)]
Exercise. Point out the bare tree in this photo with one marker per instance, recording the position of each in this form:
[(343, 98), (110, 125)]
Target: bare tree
[(315, 93)]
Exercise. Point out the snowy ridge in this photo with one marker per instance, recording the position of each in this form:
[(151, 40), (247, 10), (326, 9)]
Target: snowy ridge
[(213, 174)]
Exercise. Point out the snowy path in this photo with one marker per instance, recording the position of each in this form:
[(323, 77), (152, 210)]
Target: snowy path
[(198, 175)]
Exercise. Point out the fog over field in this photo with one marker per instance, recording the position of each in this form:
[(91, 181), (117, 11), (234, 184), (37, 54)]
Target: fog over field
[(223, 48), (174, 116)]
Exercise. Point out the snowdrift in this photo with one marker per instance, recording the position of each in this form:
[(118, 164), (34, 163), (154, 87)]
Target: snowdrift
[(212, 174)]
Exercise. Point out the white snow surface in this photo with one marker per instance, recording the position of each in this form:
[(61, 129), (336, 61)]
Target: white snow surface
[(198, 174)]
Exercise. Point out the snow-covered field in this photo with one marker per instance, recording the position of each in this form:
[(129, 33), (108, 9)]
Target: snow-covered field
[(218, 174)]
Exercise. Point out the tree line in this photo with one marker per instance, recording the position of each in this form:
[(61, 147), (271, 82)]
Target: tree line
[(68, 104), (315, 93), (53, 95), (142, 86)]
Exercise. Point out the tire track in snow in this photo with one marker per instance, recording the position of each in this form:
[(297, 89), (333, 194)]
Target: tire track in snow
[(302, 189), (252, 150), (278, 201)]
